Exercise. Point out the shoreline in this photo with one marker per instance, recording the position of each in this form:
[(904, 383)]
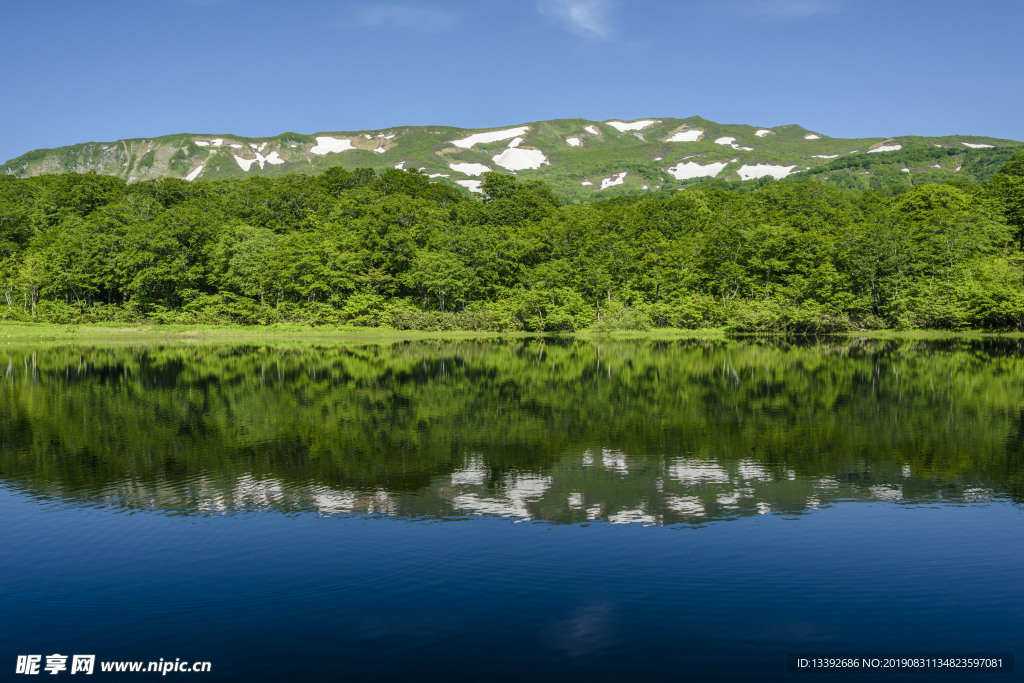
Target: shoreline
[(113, 332)]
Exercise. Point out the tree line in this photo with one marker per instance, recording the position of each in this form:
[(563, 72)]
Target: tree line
[(395, 249)]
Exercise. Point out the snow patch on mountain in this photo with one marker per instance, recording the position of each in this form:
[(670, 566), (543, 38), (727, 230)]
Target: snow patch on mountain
[(824, 156), (968, 144), (194, 174), (812, 136), (692, 135), (273, 158), (380, 150), (614, 180), (328, 145), (591, 130), (692, 169), (761, 170), (515, 159), (573, 142), (886, 148), (210, 143), (763, 133), (635, 125), (493, 136), (732, 143), (471, 185), (470, 169)]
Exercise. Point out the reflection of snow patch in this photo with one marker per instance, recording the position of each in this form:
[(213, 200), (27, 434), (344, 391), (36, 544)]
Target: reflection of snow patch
[(473, 474), (194, 174), (575, 500), (493, 136), (751, 470), (692, 169), (635, 125), (614, 180), (763, 508), (471, 185), (976, 146), (515, 159), (573, 142), (886, 493), (886, 148), (691, 135), (470, 169), (335, 501), (697, 472), (761, 170), (762, 133), (326, 145), (976, 495), (812, 137), (686, 505), (632, 517), (591, 130), (728, 500), (519, 491), (614, 460)]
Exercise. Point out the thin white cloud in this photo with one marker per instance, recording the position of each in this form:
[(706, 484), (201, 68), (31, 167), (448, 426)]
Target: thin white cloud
[(795, 9), (402, 16), (585, 17)]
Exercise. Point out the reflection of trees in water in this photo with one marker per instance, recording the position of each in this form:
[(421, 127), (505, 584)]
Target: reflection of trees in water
[(563, 430)]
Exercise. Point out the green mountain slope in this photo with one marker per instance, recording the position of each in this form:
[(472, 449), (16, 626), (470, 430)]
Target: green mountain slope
[(581, 160)]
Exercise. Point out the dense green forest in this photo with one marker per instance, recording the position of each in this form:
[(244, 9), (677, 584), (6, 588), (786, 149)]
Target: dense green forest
[(393, 249)]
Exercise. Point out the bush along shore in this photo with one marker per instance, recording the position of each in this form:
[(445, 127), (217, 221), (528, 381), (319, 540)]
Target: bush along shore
[(394, 250)]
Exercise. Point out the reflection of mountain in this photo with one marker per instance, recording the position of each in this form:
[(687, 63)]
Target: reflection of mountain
[(565, 431)]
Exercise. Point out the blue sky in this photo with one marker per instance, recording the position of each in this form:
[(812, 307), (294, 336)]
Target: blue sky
[(102, 70)]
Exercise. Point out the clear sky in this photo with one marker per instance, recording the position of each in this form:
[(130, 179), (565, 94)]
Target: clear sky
[(99, 70)]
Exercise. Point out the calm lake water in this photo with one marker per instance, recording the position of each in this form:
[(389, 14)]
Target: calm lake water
[(512, 510)]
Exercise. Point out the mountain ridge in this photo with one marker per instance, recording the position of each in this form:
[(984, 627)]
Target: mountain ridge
[(581, 159)]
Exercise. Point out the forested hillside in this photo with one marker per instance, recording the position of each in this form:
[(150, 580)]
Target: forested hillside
[(391, 248), (580, 160)]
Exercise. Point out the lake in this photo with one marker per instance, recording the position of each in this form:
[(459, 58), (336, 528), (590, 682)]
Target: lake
[(541, 509)]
